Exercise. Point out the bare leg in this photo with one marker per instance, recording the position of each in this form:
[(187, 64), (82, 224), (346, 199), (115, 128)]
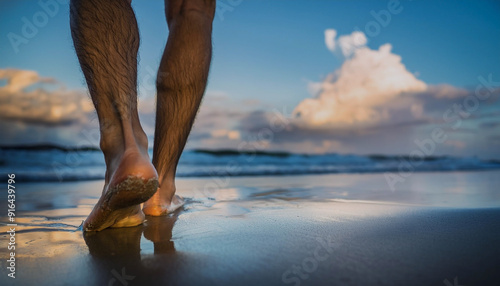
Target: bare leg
[(181, 82), (106, 41)]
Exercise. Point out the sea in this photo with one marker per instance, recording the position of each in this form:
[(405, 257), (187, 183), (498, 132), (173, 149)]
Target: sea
[(55, 163)]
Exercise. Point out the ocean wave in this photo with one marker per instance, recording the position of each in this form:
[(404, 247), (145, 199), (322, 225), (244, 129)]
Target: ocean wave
[(73, 164)]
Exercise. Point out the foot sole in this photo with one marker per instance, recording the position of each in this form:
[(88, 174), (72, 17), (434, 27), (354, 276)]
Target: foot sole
[(116, 206)]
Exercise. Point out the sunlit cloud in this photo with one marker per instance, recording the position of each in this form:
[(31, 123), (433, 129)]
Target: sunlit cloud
[(371, 104), (356, 93), (30, 98)]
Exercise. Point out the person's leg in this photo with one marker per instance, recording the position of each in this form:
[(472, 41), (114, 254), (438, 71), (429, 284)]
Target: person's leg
[(106, 40), (181, 82)]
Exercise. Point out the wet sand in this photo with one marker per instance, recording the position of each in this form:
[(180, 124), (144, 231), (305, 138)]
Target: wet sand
[(295, 230)]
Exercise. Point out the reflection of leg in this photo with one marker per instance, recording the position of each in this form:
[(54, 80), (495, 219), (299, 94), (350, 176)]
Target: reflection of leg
[(159, 231), (116, 243), (115, 253), (106, 41), (181, 82)]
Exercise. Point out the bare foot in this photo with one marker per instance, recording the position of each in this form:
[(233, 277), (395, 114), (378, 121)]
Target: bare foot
[(163, 202), (130, 180)]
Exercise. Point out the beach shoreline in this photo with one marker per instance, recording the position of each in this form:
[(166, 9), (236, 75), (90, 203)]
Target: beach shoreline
[(344, 229)]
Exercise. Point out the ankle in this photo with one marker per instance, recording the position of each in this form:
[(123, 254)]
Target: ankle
[(114, 141), (167, 179), (167, 186), (141, 139)]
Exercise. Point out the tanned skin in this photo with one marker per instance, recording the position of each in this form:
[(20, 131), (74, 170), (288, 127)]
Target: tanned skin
[(106, 40)]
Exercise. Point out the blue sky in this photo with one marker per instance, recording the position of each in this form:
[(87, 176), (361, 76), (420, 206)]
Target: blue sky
[(267, 52), (279, 44)]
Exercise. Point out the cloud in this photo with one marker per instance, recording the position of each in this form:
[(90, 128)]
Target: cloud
[(346, 43), (30, 98), (356, 94), (349, 43), (330, 35), (373, 104), (370, 104), (224, 133), (17, 80)]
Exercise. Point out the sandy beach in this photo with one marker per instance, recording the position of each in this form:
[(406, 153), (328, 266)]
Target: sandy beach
[(345, 229)]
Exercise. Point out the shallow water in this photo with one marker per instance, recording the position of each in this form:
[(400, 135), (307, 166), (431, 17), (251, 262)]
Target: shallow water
[(251, 230)]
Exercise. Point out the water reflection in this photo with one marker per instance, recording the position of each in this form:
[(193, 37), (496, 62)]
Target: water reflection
[(125, 243), (159, 231), (115, 253)]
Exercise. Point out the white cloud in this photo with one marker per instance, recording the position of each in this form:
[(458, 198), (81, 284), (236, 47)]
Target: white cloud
[(347, 44), (357, 93), (330, 35)]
